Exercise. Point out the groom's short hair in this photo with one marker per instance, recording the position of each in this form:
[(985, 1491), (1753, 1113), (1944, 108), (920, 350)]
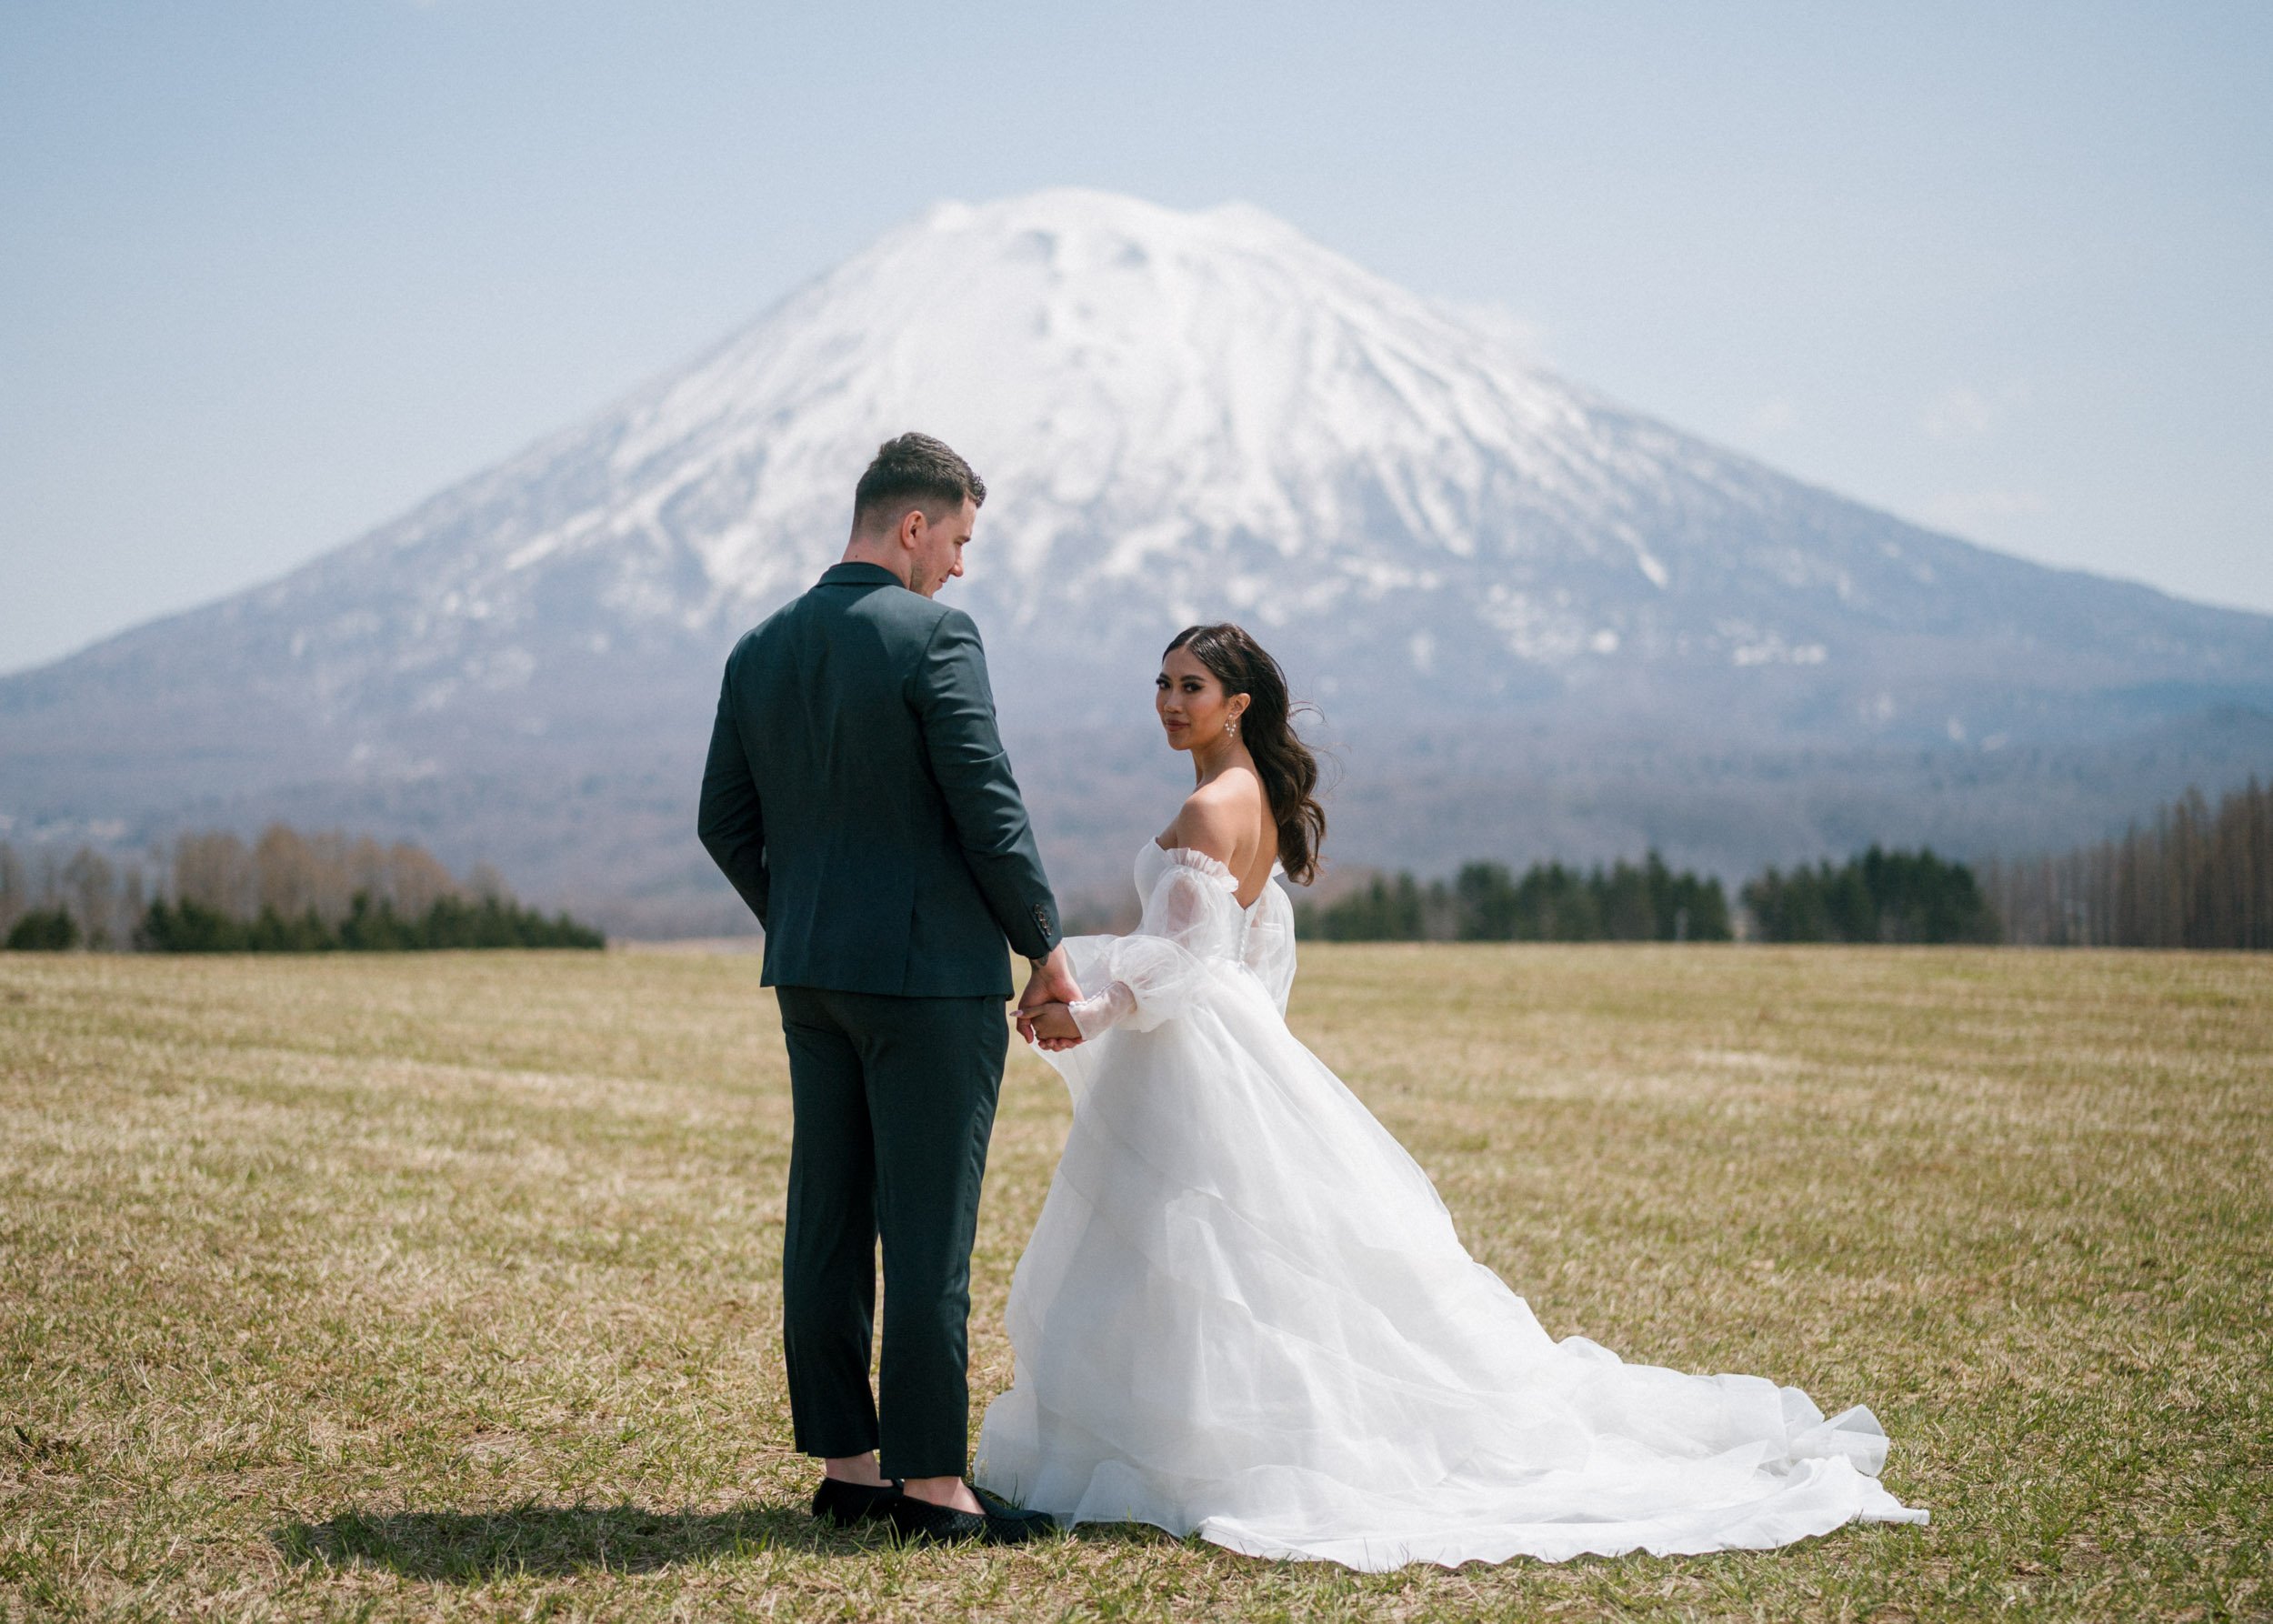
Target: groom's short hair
[(914, 471)]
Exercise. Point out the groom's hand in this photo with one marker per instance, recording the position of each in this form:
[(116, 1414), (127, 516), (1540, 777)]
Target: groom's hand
[(1051, 1025), (1050, 981)]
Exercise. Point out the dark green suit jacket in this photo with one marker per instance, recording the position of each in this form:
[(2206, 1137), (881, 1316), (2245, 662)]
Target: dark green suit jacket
[(859, 798)]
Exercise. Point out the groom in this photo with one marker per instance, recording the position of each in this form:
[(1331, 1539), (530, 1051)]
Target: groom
[(859, 798)]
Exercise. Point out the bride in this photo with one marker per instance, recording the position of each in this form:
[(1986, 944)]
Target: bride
[(1244, 1313)]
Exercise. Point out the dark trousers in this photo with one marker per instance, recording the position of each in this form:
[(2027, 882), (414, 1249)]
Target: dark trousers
[(894, 1100)]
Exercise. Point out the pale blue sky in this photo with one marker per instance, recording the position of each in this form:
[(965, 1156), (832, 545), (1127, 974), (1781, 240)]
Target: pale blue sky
[(270, 273)]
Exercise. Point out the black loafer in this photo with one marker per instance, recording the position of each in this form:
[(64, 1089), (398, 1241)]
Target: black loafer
[(920, 1522), (998, 1507), (845, 1504)]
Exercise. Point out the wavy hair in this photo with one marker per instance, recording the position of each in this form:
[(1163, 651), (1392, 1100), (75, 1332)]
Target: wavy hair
[(1286, 766)]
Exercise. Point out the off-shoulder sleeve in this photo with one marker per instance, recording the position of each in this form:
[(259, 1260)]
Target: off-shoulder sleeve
[(1150, 976)]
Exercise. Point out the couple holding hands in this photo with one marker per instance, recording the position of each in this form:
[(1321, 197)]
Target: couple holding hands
[(1243, 1312)]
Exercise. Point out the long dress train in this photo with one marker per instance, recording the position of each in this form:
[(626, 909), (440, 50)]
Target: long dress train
[(1244, 1313)]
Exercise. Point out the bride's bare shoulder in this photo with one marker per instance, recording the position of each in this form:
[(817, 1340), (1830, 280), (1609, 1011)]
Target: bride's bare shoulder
[(1220, 818)]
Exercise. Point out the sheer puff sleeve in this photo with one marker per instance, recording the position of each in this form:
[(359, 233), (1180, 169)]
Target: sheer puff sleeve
[(1191, 917)]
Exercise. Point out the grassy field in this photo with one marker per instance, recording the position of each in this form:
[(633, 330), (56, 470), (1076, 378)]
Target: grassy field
[(446, 1286)]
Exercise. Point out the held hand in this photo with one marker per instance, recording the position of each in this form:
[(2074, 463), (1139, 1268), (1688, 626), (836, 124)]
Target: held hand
[(1051, 1025), (1051, 982)]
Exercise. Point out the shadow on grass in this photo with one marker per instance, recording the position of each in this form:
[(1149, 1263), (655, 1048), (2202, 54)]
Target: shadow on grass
[(472, 1546)]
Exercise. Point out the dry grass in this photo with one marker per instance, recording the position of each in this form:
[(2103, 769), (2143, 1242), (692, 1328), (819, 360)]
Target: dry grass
[(446, 1286)]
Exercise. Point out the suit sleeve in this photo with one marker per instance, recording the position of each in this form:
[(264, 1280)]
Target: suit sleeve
[(956, 710), (730, 820)]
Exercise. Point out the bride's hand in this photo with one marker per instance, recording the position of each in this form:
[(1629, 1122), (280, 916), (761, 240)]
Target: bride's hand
[(1049, 1025)]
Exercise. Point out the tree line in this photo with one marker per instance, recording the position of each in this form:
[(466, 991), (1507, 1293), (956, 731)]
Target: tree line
[(1485, 902), (2192, 877), (1876, 897), (286, 893)]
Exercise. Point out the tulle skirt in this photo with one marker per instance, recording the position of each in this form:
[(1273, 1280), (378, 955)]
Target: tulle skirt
[(1244, 1313)]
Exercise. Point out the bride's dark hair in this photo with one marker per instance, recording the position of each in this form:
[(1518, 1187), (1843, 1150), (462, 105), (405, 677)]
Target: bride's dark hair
[(1289, 771)]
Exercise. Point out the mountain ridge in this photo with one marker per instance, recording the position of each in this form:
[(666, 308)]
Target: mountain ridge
[(1181, 417)]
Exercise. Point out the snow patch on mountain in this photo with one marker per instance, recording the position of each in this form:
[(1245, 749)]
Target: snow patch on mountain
[(1488, 572)]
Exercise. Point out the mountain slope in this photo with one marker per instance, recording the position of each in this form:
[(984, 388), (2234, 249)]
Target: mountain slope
[(1179, 416)]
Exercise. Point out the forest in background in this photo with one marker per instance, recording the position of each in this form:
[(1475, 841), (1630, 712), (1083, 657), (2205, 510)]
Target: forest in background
[(286, 892), (1877, 896), (1485, 902), (2194, 876)]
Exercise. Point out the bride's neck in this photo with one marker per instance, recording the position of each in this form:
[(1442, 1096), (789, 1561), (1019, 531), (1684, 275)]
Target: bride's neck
[(1208, 761)]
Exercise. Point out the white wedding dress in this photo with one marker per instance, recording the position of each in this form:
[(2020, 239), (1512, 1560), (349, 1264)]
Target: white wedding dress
[(1244, 1313)]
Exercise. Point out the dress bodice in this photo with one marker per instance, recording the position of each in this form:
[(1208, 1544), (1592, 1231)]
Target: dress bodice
[(1193, 900)]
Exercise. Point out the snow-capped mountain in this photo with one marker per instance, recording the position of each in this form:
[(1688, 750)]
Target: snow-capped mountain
[(1179, 416)]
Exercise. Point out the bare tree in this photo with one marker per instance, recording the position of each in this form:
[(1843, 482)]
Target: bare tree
[(328, 873), (417, 880), (15, 889), (287, 872), (214, 871), (284, 872), (366, 867), (2195, 878), (132, 904), (89, 886)]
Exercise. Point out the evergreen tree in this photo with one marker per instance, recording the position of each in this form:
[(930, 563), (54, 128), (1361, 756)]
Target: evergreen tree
[(296, 893), (15, 889), (43, 930), (1878, 897), (1551, 903)]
